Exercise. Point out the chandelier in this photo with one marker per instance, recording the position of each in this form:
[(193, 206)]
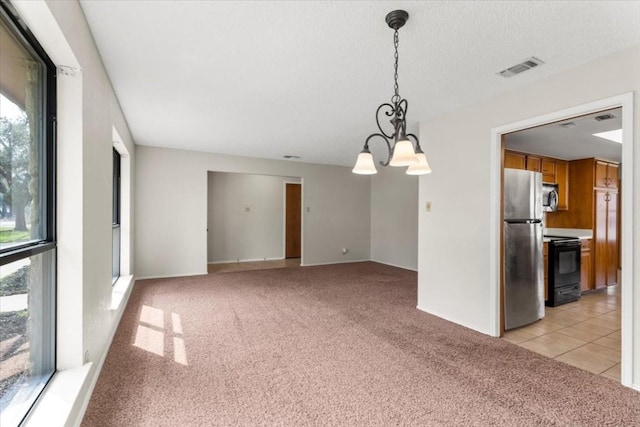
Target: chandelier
[(398, 141)]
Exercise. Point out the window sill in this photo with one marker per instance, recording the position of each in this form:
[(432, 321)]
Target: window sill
[(55, 407), (119, 291)]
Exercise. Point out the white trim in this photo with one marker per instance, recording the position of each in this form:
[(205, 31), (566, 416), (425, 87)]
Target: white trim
[(451, 319), (334, 262), (626, 102), (171, 276), (64, 393), (395, 265), (235, 261), (119, 298)]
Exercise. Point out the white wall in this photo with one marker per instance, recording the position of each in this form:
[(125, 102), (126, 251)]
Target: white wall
[(454, 246), (171, 209), (88, 113), (394, 218), (235, 233)]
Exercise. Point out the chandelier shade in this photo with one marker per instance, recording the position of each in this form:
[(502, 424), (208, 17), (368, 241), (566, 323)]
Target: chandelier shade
[(421, 167), (400, 148), (403, 154), (364, 164)]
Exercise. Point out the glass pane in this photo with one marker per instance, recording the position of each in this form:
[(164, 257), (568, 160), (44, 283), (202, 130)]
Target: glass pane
[(115, 253), (27, 330), (21, 133)]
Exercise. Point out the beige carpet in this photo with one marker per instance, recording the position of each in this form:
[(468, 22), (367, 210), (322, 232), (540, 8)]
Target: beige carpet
[(332, 345)]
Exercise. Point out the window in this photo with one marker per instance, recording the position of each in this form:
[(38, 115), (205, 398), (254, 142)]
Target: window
[(115, 271), (27, 222)]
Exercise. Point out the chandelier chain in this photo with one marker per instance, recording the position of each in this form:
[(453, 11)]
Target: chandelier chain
[(396, 96)]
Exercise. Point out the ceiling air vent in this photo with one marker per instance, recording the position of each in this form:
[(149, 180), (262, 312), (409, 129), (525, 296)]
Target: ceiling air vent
[(290, 156), (525, 65), (567, 125), (604, 117)]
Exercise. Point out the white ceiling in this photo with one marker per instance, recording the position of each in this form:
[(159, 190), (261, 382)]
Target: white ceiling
[(270, 78), (570, 143)]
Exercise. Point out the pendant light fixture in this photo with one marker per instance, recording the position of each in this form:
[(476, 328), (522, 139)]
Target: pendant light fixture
[(399, 142)]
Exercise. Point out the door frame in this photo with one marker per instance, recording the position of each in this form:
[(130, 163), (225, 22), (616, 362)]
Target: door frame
[(625, 101), (284, 218)]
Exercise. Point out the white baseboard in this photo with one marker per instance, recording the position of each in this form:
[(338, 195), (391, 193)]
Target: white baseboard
[(453, 320), (395, 265), (122, 305), (334, 262), (169, 276), (246, 260)]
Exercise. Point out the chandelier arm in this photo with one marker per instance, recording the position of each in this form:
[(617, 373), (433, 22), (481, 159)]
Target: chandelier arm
[(391, 112), (403, 105), (417, 141), (386, 140)]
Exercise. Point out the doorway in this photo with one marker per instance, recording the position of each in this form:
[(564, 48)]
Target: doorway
[(246, 221), (625, 287), (293, 220)]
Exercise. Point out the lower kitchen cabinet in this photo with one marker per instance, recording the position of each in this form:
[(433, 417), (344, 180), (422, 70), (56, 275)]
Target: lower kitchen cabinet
[(586, 275)]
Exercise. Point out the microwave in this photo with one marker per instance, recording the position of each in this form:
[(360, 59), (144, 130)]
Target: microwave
[(549, 197)]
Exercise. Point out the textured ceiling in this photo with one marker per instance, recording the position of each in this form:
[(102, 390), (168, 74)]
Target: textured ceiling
[(270, 78)]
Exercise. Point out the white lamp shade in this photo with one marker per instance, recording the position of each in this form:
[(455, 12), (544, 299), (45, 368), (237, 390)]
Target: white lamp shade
[(403, 154), (364, 165), (420, 168)]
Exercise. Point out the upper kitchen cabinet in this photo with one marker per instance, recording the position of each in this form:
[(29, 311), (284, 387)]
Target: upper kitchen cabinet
[(562, 179), (513, 160), (553, 171), (534, 164), (606, 175), (548, 169)]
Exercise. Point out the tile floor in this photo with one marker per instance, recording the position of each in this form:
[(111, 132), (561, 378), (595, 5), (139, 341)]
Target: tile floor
[(252, 265), (584, 333)]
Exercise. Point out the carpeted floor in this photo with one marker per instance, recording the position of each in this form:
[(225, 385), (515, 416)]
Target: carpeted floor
[(331, 345)]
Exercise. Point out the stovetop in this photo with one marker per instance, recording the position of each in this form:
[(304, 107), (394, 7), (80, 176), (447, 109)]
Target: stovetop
[(559, 238)]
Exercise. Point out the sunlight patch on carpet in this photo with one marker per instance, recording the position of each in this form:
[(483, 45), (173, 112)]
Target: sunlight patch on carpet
[(150, 340)]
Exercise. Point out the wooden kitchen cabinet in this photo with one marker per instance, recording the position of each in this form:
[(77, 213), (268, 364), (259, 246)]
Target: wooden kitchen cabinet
[(513, 160), (534, 163), (606, 174), (553, 171), (605, 238), (562, 179), (594, 206), (548, 169), (586, 278)]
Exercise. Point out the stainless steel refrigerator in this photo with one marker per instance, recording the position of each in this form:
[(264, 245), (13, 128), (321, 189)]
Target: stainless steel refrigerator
[(523, 263)]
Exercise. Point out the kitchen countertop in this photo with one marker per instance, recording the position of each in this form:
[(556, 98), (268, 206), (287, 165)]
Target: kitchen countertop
[(579, 233)]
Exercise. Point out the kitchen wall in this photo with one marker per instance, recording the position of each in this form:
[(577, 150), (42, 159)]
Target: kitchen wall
[(454, 246), (394, 218), (88, 115), (237, 234), (171, 209)]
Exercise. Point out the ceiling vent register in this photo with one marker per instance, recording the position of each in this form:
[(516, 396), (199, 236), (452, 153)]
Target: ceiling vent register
[(525, 65), (607, 116)]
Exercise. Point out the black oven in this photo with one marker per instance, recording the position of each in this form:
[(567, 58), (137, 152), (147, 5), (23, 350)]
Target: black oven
[(563, 270)]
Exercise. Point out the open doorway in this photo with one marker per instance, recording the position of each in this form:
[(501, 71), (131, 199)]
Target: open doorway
[(607, 297), (246, 222), (293, 220)]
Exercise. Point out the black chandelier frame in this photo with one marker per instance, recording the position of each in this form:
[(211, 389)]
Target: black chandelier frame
[(397, 108)]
